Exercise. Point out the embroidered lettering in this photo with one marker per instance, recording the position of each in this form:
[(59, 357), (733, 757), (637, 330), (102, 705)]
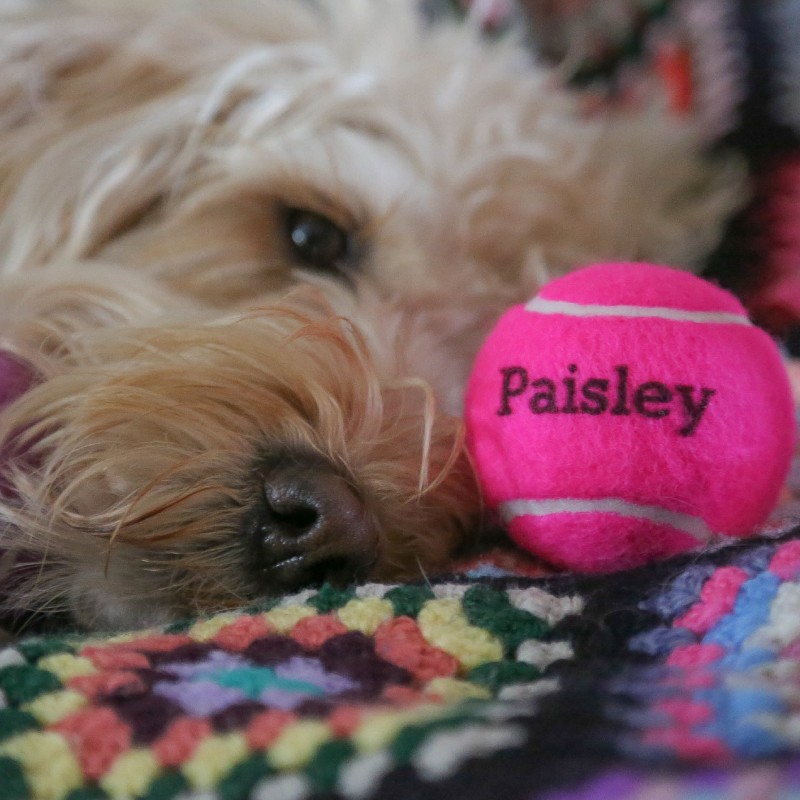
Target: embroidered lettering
[(618, 395)]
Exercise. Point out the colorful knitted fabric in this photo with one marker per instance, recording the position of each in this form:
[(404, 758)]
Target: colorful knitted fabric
[(517, 687), (328, 690)]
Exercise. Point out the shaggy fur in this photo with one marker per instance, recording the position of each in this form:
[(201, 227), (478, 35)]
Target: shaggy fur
[(162, 166)]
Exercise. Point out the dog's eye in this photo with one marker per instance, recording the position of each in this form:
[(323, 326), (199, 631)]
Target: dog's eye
[(317, 241)]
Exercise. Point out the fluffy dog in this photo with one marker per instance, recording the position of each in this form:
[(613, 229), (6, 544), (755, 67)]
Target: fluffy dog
[(248, 251)]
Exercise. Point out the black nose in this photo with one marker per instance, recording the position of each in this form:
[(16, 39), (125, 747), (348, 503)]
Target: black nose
[(309, 526)]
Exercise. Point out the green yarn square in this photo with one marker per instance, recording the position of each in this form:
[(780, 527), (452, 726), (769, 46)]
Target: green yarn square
[(329, 598), (407, 601), (12, 781), (166, 786), (324, 768), (180, 626), (411, 737), (242, 778), (497, 674), (22, 683), (13, 722), (87, 793), (491, 609), (43, 646)]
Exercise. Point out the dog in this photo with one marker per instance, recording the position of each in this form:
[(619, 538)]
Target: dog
[(247, 254)]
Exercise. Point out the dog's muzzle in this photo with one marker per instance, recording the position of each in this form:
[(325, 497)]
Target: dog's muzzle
[(309, 526)]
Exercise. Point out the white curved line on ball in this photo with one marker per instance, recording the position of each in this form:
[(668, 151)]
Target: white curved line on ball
[(685, 523), (540, 305)]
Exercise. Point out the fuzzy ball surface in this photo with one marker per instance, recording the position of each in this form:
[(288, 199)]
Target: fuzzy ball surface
[(626, 413)]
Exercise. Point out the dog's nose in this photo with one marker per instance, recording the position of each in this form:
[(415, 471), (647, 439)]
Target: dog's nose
[(309, 526)]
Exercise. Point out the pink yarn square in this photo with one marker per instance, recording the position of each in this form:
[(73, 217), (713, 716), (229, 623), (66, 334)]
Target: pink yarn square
[(686, 713), (178, 743), (313, 632), (687, 744), (695, 655), (117, 682), (401, 643), (786, 561), (717, 598), (241, 634), (97, 737), (114, 658), (265, 728)]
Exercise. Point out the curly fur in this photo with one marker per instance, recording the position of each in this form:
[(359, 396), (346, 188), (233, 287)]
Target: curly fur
[(148, 154)]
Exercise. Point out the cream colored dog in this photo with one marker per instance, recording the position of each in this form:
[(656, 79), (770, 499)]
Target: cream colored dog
[(248, 250)]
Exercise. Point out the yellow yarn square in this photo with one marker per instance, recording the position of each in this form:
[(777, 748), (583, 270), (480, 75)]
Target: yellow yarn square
[(214, 758), (378, 729), (207, 629), (298, 743), (453, 691), (50, 768), (365, 615), (65, 666), (444, 625), (130, 774), (284, 619), (52, 707)]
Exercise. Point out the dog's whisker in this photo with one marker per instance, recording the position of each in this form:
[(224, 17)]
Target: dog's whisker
[(424, 575)]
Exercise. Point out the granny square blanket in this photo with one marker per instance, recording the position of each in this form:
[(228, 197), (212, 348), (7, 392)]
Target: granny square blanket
[(681, 677)]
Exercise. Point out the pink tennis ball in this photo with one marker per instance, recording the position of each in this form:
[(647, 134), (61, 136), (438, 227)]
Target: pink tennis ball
[(626, 413)]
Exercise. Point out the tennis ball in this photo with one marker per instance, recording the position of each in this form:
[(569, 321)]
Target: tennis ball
[(626, 413)]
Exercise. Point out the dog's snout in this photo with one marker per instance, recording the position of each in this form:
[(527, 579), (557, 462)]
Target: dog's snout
[(310, 526), (294, 505)]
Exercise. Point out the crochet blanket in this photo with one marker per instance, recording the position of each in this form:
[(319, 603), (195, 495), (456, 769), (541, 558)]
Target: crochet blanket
[(673, 681), (677, 681)]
